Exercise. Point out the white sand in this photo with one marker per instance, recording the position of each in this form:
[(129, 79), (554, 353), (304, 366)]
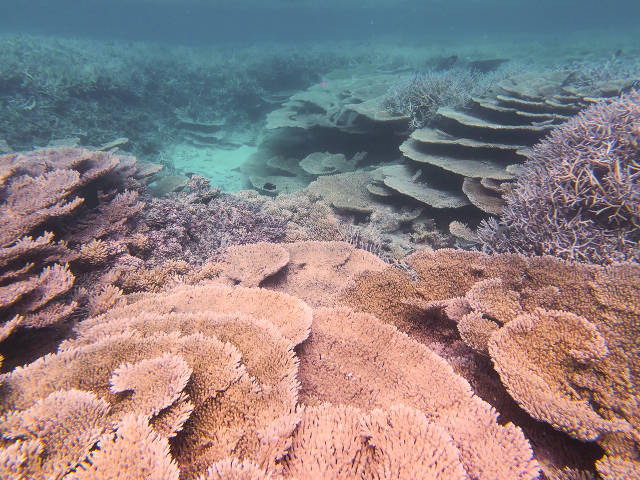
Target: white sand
[(221, 166)]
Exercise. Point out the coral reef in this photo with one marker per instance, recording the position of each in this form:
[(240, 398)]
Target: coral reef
[(190, 334), (60, 207), (79, 229), (242, 403), (420, 96), (44, 96), (457, 168), (578, 197), (562, 337), (196, 225)]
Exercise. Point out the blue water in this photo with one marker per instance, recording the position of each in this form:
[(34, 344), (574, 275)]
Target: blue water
[(318, 21), (101, 70)]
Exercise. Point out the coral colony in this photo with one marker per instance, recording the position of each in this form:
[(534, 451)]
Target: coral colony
[(425, 277)]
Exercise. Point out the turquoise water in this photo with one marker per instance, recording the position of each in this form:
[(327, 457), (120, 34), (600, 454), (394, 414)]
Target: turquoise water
[(293, 21), (104, 70)]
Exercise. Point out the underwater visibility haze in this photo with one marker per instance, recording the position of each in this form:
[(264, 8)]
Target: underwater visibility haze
[(320, 239)]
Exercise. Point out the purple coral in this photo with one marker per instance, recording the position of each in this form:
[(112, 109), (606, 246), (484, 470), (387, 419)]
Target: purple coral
[(196, 226), (579, 195)]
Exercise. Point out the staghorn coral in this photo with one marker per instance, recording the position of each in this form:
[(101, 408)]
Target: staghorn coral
[(579, 195), (420, 96), (306, 215), (198, 225)]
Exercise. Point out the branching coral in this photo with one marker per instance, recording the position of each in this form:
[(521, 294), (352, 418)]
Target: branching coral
[(420, 96), (579, 195), (198, 225), (51, 217)]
